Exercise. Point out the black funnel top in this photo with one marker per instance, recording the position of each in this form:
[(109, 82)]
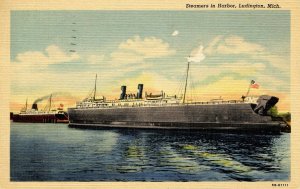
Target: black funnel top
[(34, 106)]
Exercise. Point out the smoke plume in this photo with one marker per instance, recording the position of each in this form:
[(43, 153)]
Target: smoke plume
[(197, 55), (55, 94)]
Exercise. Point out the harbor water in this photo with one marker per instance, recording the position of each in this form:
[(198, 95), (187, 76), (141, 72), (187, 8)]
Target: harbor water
[(55, 152)]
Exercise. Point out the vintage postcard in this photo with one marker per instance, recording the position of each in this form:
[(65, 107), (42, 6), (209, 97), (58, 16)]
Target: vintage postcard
[(181, 94)]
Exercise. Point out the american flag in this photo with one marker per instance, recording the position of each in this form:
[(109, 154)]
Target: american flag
[(254, 84)]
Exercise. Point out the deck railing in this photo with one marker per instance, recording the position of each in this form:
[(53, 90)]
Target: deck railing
[(102, 106)]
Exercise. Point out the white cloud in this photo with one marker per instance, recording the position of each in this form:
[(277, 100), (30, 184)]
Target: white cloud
[(31, 58), (30, 74), (123, 58), (237, 45), (136, 49), (211, 47), (233, 45), (52, 55), (30, 67), (57, 55), (149, 47), (175, 33)]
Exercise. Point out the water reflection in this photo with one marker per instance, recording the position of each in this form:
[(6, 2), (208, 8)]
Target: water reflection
[(239, 156), (224, 161), (44, 152)]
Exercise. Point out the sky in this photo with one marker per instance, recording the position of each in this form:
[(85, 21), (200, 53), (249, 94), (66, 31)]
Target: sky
[(60, 52)]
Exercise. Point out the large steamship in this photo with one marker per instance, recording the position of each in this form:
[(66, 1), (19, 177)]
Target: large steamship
[(48, 115), (162, 111)]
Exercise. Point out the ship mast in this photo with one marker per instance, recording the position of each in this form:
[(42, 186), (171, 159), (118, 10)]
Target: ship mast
[(251, 82), (50, 100), (186, 79), (26, 104), (95, 88)]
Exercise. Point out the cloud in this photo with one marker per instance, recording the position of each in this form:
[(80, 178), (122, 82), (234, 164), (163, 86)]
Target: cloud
[(197, 55), (137, 49), (31, 67), (96, 59), (52, 55), (175, 33), (233, 45), (211, 47), (57, 55), (129, 64), (122, 58), (31, 75), (242, 49), (149, 47), (244, 61), (152, 81), (278, 62)]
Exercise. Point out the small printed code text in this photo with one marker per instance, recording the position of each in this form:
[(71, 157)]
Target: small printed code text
[(280, 184)]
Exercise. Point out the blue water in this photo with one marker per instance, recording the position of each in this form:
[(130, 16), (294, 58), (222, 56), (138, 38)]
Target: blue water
[(55, 152)]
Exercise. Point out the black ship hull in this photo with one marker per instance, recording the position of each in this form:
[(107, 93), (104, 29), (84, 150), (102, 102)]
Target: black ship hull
[(205, 117), (41, 118)]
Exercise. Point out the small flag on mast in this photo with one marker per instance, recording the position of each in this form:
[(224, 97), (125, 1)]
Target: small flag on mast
[(254, 84)]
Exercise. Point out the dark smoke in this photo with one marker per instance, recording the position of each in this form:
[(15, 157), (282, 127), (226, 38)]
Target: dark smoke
[(53, 95)]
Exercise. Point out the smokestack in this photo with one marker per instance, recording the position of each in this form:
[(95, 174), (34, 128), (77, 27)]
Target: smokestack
[(123, 93), (34, 106), (140, 91)]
